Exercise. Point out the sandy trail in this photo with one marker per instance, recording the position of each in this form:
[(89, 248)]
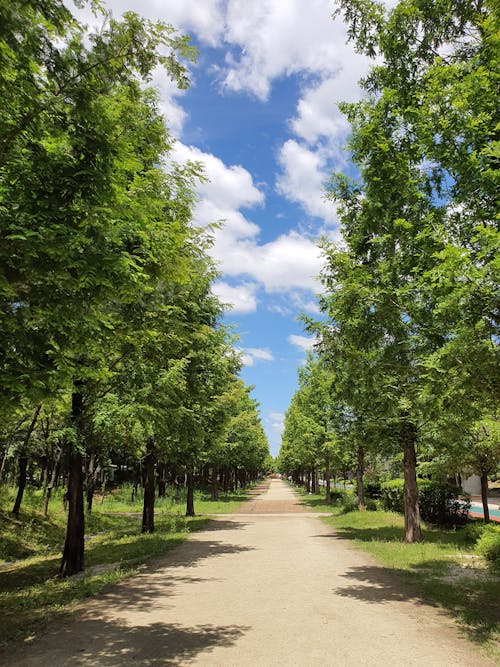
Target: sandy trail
[(272, 585)]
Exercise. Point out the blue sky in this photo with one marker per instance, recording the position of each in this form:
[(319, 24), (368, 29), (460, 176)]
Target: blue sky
[(261, 116)]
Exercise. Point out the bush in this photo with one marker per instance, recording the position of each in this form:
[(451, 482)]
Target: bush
[(488, 545), (348, 502), (373, 489), (439, 503), (392, 495)]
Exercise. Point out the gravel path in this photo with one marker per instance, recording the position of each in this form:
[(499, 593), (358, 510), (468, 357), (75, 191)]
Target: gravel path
[(269, 586)]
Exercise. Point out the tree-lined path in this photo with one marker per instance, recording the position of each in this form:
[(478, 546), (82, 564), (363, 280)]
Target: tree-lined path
[(271, 585)]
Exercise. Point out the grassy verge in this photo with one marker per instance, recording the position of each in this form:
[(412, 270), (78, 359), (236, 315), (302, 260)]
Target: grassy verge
[(31, 546)]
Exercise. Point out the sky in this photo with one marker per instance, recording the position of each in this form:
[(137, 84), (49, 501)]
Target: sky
[(261, 115)]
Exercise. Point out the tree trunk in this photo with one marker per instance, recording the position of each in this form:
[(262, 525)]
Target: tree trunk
[(214, 485), (50, 486), (190, 494), (92, 476), (484, 496), (360, 472), (162, 481), (148, 513), (328, 489), (308, 482), (23, 463), (413, 532), (73, 554)]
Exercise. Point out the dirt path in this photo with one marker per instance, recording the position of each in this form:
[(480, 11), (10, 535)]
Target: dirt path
[(270, 586)]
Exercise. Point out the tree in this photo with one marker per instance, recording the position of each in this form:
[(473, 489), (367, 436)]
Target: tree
[(81, 142), (412, 295)]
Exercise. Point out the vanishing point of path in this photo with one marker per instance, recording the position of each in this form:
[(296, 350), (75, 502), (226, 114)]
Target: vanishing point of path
[(272, 585)]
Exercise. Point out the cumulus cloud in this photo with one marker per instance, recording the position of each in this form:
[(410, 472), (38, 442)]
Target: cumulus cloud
[(239, 298), (277, 422), (304, 172), (251, 355), (304, 342), (291, 261), (273, 39), (205, 19)]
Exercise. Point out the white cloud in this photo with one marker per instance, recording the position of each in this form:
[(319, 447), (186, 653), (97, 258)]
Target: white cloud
[(304, 172), (288, 262), (318, 115), (250, 355), (205, 19), (280, 38), (258, 353), (277, 422), (304, 342), (239, 298)]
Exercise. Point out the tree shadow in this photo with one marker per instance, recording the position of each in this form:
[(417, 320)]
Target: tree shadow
[(474, 607), (111, 643), (214, 525), (394, 534)]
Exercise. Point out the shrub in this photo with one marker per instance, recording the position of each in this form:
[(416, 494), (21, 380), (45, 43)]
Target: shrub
[(348, 503), (488, 545), (373, 489), (439, 503), (371, 505), (392, 495)]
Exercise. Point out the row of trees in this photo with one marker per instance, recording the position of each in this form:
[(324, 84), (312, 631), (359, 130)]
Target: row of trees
[(410, 303), (110, 340)]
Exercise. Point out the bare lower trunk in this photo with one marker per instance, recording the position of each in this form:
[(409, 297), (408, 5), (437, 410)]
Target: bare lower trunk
[(328, 489), (190, 494), (214, 485), (52, 481), (413, 531), (360, 472), (148, 513), (23, 463), (92, 478), (21, 483), (73, 554), (484, 496)]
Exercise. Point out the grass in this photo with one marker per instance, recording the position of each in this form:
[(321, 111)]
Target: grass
[(31, 545)]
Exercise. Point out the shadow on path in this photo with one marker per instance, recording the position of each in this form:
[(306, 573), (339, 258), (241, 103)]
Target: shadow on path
[(477, 611), (112, 643)]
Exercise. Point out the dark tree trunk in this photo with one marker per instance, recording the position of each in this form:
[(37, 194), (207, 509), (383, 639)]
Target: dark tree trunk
[(135, 486), (73, 554), (52, 481), (484, 496), (190, 494), (413, 531), (148, 513), (328, 489), (162, 481), (360, 472), (21, 483), (92, 477), (214, 485), (23, 463), (308, 482)]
